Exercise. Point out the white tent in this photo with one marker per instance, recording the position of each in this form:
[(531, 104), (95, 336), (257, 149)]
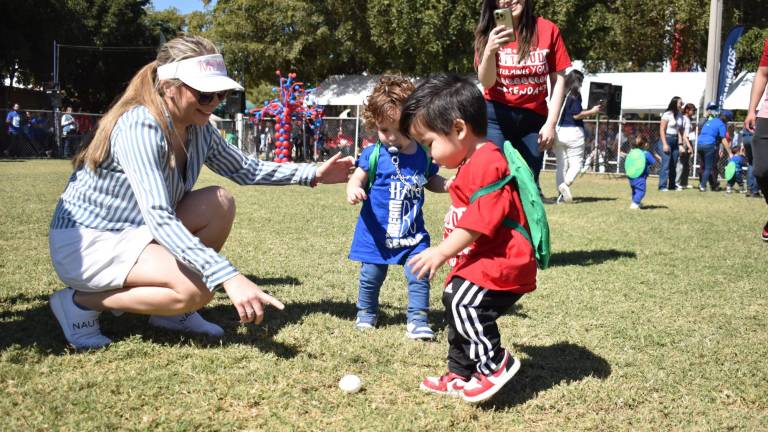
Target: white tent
[(651, 91), (740, 91), (641, 91), (345, 89)]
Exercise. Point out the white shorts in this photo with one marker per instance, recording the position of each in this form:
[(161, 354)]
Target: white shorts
[(95, 260)]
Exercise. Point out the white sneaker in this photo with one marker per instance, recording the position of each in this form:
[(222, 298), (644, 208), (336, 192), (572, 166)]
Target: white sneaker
[(190, 322), (634, 206), (81, 327), (566, 191)]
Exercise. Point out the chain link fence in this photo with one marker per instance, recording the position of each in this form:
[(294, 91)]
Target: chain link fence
[(607, 142), (37, 134)]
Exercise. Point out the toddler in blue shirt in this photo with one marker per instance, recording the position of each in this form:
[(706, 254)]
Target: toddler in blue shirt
[(390, 229), (739, 159), (638, 184)]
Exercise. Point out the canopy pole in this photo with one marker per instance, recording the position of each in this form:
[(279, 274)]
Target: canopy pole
[(620, 135), (695, 127), (357, 128)]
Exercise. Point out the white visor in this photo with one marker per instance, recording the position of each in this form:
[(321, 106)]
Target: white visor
[(207, 73)]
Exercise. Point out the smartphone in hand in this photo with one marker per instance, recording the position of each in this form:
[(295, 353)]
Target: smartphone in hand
[(504, 17)]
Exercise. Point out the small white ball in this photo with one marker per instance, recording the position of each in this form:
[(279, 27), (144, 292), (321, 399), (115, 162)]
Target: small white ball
[(350, 383)]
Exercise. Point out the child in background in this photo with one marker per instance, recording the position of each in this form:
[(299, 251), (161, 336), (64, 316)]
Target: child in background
[(638, 183), (390, 229), (493, 263), (739, 159)]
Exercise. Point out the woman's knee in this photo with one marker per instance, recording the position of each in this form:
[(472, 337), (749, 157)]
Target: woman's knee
[(191, 296), (224, 200)]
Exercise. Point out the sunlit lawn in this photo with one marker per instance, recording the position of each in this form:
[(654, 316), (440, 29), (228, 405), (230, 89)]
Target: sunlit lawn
[(649, 320)]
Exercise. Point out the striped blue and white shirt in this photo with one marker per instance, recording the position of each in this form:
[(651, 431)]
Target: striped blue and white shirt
[(133, 186)]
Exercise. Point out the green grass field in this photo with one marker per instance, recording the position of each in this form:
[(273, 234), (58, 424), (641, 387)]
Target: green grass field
[(646, 320)]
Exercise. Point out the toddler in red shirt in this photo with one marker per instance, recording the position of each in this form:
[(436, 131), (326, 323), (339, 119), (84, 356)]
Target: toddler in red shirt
[(493, 262)]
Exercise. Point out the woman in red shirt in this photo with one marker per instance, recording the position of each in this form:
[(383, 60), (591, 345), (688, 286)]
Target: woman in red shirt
[(757, 123), (514, 66)]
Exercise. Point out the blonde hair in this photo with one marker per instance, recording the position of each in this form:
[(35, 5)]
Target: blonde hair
[(144, 89), (386, 99)]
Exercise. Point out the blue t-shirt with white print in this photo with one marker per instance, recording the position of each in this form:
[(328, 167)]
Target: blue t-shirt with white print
[(391, 222), (739, 160)]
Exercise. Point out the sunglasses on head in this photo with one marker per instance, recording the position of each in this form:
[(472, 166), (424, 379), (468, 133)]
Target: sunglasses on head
[(206, 98)]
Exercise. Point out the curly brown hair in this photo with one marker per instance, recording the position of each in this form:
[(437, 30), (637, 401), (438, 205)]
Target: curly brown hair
[(386, 99)]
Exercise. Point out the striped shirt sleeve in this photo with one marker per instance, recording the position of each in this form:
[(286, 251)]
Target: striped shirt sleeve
[(141, 149), (228, 161)]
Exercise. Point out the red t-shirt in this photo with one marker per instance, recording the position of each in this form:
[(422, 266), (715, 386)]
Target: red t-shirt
[(524, 84), (501, 259), (763, 113)]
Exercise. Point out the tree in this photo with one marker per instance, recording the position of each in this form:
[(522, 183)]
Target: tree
[(94, 77), (165, 24), (422, 36), (26, 39), (314, 38), (750, 48)]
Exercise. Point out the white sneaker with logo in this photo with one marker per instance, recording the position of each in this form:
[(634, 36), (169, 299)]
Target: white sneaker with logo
[(81, 327), (190, 322)]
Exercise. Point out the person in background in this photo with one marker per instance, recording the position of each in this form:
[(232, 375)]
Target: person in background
[(569, 146), (712, 137), (739, 159), (262, 139), (68, 132), (269, 154), (670, 136), (683, 168), (13, 120), (514, 66), (638, 184), (757, 123), (712, 111)]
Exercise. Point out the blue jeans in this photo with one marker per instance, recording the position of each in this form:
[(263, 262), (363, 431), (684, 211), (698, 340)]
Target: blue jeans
[(70, 145), (707, 154), (638, 189), (752, 181), (372, 277), (738, 178), (520, 127), (668, 162)]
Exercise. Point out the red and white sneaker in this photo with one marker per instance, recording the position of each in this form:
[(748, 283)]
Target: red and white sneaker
[(482, 387), (449, 384), (765, 232)]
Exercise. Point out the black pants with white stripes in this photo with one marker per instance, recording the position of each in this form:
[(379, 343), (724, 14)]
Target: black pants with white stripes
[(473, 336)]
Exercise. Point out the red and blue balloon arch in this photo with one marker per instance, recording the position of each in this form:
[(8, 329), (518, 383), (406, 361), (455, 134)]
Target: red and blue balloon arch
[(293, 102)]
